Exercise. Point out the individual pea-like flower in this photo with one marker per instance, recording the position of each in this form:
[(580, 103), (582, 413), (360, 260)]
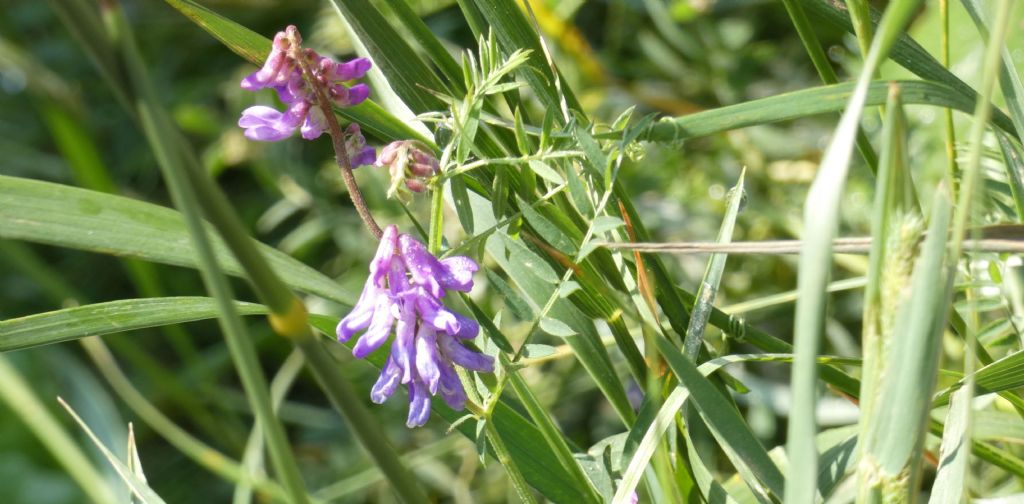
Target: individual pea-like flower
[(282, 73), (355, 144), (410, 163), (402, 295)]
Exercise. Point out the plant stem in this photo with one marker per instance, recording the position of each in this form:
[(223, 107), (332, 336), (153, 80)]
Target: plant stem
[(163, 139), (337, 139), (366, 428)]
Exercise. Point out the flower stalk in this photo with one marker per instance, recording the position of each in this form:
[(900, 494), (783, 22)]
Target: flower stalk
[(341, 153)]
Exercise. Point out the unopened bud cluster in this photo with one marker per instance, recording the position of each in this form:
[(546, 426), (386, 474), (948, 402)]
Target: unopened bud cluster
[(411, 164)]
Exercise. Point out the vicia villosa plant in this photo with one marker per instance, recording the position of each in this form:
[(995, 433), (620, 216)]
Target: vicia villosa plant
[(540, 251)]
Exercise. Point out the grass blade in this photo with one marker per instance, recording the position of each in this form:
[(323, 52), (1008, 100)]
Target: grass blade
[(138, 487), (808, 102), (551, 434), (954, 452), (712, 275), (715, 410), (821, 213), (405, 71), (24, 404), (105, 318), (65, 216)]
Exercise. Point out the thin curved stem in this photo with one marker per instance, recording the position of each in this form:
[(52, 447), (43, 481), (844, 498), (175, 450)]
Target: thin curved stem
[(337, 140)]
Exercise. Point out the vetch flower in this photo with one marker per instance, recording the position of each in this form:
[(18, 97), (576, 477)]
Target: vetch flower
[(410, 163), (282, 73), (355, 144), (402, 295)]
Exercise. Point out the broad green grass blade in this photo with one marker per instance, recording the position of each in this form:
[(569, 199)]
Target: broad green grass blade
[(538, 281), (808, 102), (138, 487), (65, 216), (552, 435), (729, 428), (885, 260), (1004, 374), (439, 56), (954, 452), (254, 48), (407, 74), (891, 443), (22, 402), (821, 214), (105, 318), (1013, 156)]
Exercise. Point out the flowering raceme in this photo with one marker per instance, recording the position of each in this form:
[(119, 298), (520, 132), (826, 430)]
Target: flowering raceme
[(403, 292), (283, 73)]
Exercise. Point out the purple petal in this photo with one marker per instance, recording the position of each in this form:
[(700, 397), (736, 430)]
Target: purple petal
[(266, 134), (381, 263), (462, 356), (468, 328), (356, 95), (361, 314), (259, 115), (315, 124), (404, 348), (424, 267), (457, 273), (267, 74), (379, 330), (350, 70), (451, 388), (419, 404), (386, 383), (265, 124), (427, 357), (434, 313), (365, 156), (398, 281)]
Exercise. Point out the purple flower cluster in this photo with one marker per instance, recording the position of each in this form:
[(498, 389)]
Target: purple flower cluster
[(283, 73), (403, 293)]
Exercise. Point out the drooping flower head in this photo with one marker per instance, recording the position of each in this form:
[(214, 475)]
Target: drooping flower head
[(283, 73), (402, 295)]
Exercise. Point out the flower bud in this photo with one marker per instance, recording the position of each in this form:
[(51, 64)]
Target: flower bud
[(411, 164)]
